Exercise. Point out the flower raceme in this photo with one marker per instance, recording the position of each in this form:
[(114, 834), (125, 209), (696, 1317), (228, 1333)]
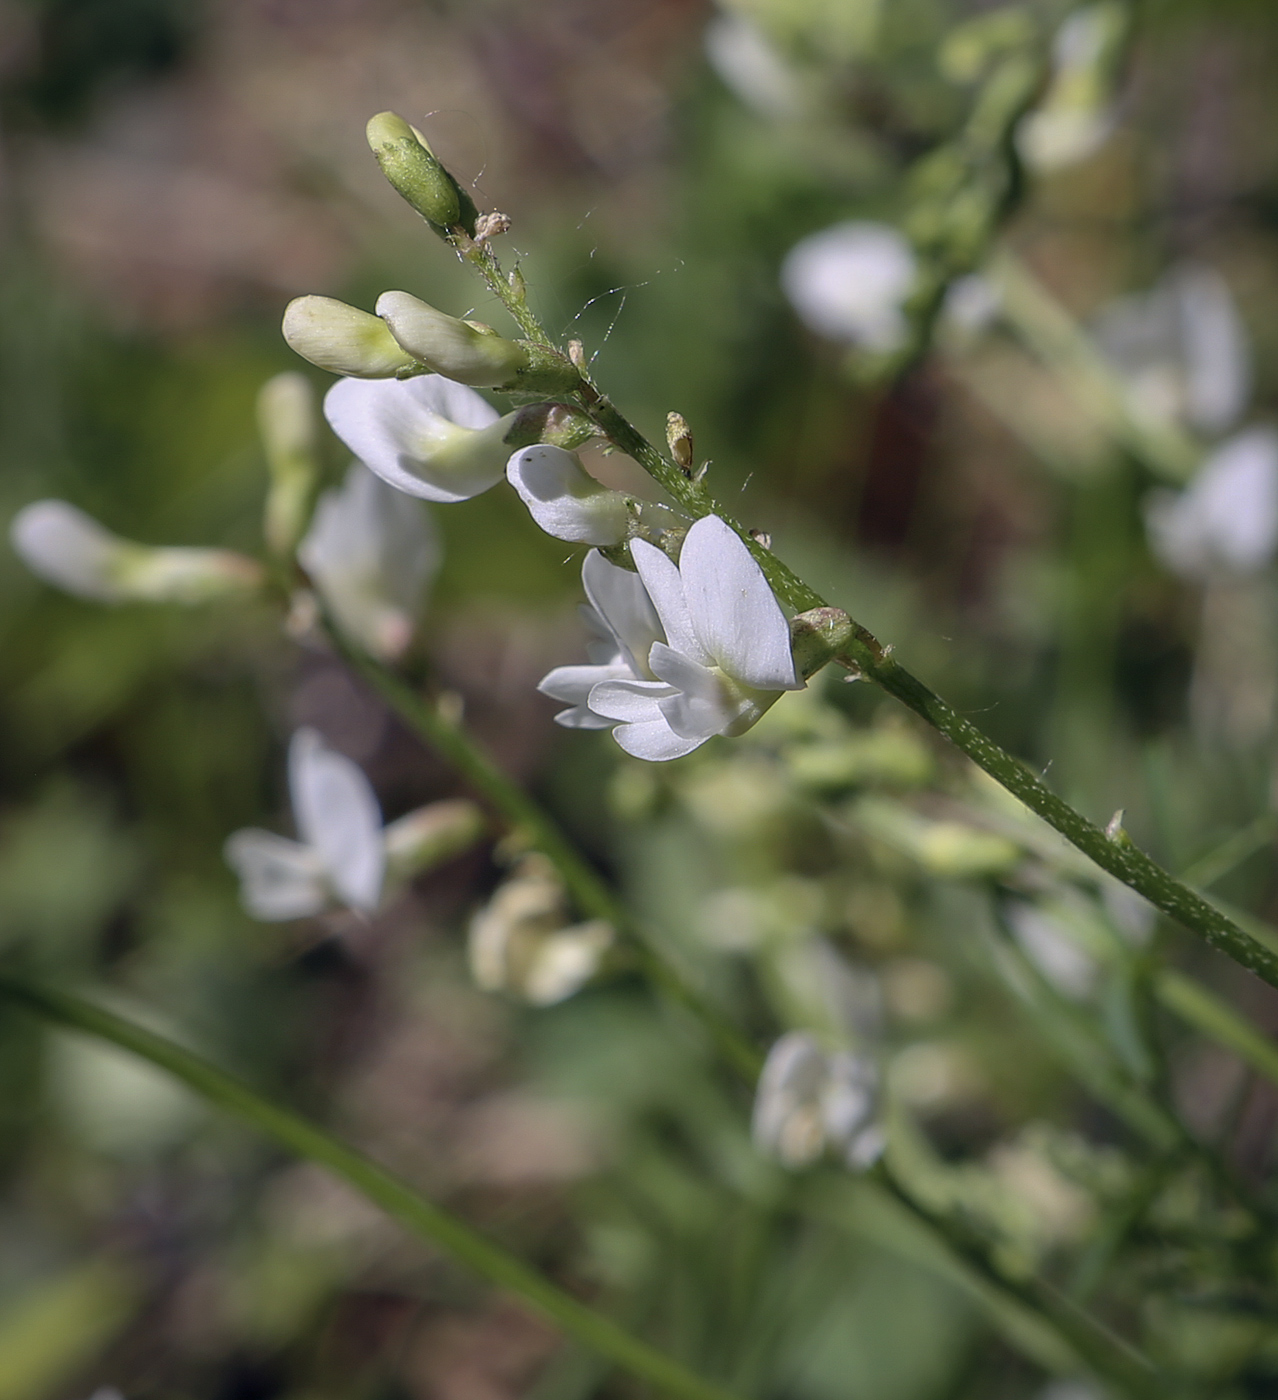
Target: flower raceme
[(345, 856), (681, 652), (64, 546)]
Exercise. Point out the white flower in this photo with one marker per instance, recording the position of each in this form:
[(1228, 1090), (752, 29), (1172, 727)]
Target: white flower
[(1046, 942), (850, 283), (521, 941), (68, 548), (564, 499), (341, 853), (808, 1101), (427, 436), (343, 339), (1181, 350), (1227, 518), (1075, 117), (371, 551), (345, 855), (725, 656)]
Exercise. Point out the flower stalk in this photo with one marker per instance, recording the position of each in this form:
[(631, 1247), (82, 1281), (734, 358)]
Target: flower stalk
[(402, 1202)]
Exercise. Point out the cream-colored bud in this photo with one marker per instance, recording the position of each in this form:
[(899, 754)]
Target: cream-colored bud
[(465, 351), (427, 837), (343, 339), (68, 548), (286, 421)]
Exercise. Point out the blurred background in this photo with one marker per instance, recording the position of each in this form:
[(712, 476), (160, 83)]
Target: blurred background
[(171, 173)]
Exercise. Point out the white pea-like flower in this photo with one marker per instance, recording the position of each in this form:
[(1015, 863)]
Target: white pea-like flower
[(521, 941), (810, 1101), (344, 855), (340, 855), (1226, 519), (623, 626), (427, 437), (740, 53), (371, 551), (62, 545), (725, 655), (1180, 350), (564, 499), (850, 283)]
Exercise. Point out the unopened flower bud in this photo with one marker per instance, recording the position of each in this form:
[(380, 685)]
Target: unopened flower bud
[(679, 439), (286, 422), (519, 942), (68, 548), (427, 837), (565, 500), (412, 167), (464, 351), (343, 339)]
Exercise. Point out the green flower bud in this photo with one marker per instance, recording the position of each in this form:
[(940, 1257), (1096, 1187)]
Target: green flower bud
[(286, 422), (465, 351), (411, 166), (342, 339)]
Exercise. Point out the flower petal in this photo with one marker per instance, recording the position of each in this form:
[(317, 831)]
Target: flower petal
[(736, 615), (664, 583), (653, 740), (630, 701), (564, 499), (279, 878), (572, 685), (337, 813), (409, 431), (623, 602), (371, 550), (62, 545), (703, 704)]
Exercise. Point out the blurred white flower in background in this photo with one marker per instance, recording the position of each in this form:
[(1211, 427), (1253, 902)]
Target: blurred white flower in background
[(1180, 350), (850, 283), (340, 855), (1047, 943), (1076, 115), (1226, 519), (371, 551), (345, 855), (748, 64), (65, 547), (810, 1101), (725, 657), (427, 436), (521, 941)]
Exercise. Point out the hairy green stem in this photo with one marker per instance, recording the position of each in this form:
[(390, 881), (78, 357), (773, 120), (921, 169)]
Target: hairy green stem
[(591, 893), (398, 1199), (1116, 854)]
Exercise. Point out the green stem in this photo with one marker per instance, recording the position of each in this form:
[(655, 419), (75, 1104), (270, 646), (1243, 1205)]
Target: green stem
[(591, 893), (399, 1200), (1106, 1354), (1216, 1018), (1055, 338), (1119, 856)]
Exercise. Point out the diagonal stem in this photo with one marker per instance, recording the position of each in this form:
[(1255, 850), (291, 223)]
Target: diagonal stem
[(396, 1197)]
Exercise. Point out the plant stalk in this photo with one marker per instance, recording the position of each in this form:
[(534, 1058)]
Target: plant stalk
[(401, 1201)]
